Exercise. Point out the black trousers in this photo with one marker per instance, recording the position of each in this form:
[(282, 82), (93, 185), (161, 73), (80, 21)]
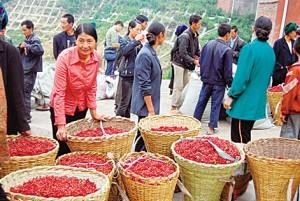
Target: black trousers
[(241, 130), (124, 105), (139, 141), (63, 147)]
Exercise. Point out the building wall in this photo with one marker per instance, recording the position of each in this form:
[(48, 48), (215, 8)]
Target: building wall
[(245, 6), (225, 5), (274, 9)]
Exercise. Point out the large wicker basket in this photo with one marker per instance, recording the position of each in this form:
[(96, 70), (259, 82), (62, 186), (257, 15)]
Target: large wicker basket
[(205, 181), (274, 163), (113, 192), (274, 99), (148, 189), (118, 145), (21, 162), (161, 142), (21, 176)]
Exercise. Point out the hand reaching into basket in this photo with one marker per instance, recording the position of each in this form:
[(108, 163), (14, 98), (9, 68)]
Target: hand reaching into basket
[(61, 133), (26, 133), (99, 117)]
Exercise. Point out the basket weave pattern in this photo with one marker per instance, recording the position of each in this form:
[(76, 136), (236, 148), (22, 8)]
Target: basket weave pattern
[(118, 145), (21, 176), (150, 189), (21, 162), (113, 193), (275, 99), (161, 142), (273, 163), (204, 181)]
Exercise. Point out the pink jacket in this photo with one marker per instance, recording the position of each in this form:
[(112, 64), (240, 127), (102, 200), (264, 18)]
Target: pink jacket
[(75, 84)]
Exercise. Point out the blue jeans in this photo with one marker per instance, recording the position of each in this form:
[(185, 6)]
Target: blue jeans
[(217, 94), (110, 68)]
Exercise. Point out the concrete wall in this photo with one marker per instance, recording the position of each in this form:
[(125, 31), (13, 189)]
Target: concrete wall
[(240, 6)]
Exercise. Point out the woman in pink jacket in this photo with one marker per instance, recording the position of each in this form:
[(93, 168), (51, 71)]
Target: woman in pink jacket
[(75, 84)]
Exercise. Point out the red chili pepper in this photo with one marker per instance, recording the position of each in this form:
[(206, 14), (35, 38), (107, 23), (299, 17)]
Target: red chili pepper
[(170, 129), (97, 132), (201, 151), (28, 146), (88, 161), (149, 167), (56, 187)]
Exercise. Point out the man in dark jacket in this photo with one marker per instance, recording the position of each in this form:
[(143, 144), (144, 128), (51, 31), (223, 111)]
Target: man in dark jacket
[(185, 58), (13, 76), (31, 53), (285, 56), (66, 38), (236, 43), (216, 74)]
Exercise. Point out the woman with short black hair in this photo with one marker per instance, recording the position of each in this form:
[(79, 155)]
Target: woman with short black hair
[(147, 78)]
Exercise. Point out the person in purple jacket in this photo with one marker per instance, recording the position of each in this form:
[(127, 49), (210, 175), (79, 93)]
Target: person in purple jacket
[(216, 74)]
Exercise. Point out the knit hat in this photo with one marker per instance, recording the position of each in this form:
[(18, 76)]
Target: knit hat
[(290, 27), (3, 17), (180, 29)]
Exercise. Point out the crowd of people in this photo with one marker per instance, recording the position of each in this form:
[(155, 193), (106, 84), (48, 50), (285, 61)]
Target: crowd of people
[(134, 59)]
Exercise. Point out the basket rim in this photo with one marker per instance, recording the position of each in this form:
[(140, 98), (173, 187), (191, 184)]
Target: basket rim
[(22, 158), (176, 133), (100, 192), (218, 166), (269, 159), (57, 161), (153, 180), (104, 137)]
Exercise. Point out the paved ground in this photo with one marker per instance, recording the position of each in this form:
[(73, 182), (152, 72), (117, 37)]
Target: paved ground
[(41, 126)]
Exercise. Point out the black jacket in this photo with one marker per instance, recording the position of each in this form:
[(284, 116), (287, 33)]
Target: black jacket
[(284, 58), (13, 76), (129, 50), (62, 41), (237, 47), (185, 49)]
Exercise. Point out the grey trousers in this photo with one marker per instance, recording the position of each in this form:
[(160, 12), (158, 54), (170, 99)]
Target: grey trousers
[(291, 129), (29, 80)]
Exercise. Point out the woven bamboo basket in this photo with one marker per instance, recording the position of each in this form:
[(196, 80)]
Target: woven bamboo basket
[(148, 189), (275, 99), (21, 162), (118, 145), (161, 142), (21, 176), (205, 181), (274, 163), (113, 193)]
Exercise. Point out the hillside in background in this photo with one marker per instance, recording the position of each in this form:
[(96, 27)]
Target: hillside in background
[(46, 16)]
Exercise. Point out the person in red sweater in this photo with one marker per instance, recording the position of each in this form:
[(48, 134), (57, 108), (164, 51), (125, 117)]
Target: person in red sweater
[(290, 109)]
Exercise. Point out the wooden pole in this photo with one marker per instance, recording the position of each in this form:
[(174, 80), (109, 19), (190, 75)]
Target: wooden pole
[(3, 122)]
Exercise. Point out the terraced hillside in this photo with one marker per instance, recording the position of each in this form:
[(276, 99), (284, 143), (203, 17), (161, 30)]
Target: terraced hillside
[(46, 16)]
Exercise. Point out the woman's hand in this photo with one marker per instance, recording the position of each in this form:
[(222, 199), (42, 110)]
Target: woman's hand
[(283, 118), (99, 117), (61, 133), (151, 113), (227, 103), (26, 133)]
